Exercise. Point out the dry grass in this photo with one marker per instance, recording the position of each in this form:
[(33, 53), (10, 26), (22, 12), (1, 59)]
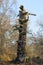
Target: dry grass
[(25, 63)]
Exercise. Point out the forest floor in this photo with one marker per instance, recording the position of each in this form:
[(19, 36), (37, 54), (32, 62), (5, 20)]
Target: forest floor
[(34, 61), (6, 63)]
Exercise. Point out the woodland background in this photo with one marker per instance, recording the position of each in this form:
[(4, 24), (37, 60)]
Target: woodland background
[(9, 36)]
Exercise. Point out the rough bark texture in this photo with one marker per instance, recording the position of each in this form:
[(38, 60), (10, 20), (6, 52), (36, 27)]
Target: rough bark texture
[(21, 52)]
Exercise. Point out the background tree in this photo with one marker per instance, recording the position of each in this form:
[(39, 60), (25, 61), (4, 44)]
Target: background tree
[(7, 16)]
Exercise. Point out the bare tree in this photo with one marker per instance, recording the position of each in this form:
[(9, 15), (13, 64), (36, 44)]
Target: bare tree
[(7, 13)]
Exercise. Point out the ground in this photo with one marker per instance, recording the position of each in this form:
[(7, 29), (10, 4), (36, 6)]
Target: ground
[(34, 61)]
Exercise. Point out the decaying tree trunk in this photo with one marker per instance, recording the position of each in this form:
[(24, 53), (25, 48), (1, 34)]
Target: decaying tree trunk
[(21, 52), (23, 19)]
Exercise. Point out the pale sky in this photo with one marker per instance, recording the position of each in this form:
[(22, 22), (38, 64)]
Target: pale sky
[(31, 6), (35, 7)]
